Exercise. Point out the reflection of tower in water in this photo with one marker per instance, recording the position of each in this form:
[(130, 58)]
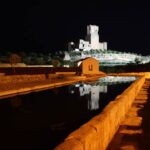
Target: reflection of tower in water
[(92, 93), (93, 103)]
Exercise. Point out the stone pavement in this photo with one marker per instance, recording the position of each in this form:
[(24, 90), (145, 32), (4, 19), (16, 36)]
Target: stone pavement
[(134, 132), (14, 88)]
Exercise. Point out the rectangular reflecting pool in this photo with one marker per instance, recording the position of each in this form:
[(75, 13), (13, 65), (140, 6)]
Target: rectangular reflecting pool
[(41, 120)]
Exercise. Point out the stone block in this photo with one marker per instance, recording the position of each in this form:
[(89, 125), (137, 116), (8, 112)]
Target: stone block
[(71, 144)]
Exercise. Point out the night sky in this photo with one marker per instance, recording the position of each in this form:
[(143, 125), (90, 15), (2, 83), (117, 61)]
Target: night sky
[(42, 25)]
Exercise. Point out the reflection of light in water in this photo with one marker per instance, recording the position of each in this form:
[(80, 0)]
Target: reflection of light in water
[(117, 79), (84, 89), (72, 92), (93, 90), (103, 89), (77, 85), (93, 103)]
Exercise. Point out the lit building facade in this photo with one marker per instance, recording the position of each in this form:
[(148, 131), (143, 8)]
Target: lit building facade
[(91, 42)]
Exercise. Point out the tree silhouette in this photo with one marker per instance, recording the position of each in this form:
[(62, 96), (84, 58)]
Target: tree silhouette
[(56, 62), (14, 59)]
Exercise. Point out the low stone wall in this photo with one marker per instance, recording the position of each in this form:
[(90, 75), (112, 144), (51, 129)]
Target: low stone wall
[(38, 77), (25, 78), (99, 131), (146, 74), (36, 70), (14, 65)]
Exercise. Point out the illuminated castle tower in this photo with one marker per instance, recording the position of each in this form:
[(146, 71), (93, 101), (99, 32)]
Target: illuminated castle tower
[(93, 38), (91, 42)]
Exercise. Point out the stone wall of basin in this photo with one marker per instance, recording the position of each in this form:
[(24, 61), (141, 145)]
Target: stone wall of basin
[(99, 131), (34, 77), (21, 78)]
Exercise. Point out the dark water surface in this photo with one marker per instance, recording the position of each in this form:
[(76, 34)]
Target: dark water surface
[(40, 121)]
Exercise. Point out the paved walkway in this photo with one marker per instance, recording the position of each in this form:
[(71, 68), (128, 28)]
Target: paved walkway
[(134, 132), (18, 88)]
